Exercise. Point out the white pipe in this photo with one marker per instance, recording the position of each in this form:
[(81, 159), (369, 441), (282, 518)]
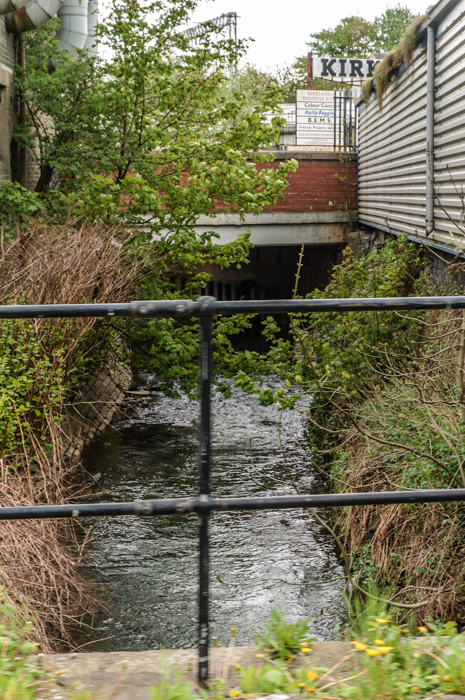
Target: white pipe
[(92, 21), (430, 88), (72, 34), (24, 15)]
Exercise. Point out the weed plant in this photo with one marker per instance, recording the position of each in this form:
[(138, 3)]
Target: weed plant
[(384, 662)]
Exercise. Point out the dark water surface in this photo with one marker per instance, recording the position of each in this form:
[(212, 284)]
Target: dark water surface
[(259, 560)]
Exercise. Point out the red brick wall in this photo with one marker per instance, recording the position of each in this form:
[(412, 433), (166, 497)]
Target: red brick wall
[(326, 185)]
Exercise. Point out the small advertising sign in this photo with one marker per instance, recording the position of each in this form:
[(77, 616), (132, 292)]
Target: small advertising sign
[(315, 118)]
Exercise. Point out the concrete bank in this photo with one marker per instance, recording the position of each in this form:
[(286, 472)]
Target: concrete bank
[(128, 675)]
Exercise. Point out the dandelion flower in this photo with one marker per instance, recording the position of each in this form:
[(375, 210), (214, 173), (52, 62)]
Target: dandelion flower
[(359, 646), (405, 630), (233, 693), (385, 650), (312, 676), (381, 621), (423, 630), (301, 685), (311, 690), (416, 689), (259, 656), (446, 678), (372, 652), (290, 660), (379, 642), (237, 666), (416, 654), (306, 650)]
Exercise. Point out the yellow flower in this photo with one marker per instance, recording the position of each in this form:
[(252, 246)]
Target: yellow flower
[(312, 676), (416, 689), (423, 630), (385, 650), (306, 650), (446, 678), (405, 630), (381, 621), (379, 642), (311, 690), (259, 656), (303, 644), (359, 646), (233, 693), (290, 660), (372, 652), (301, 685), (237, 666), (416, 654)]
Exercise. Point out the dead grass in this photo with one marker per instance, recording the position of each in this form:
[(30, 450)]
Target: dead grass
[(409, 433), (388, 66), (49, 264)]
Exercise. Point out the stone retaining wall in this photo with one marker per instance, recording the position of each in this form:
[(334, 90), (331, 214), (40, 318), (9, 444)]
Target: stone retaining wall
[(95, 405)]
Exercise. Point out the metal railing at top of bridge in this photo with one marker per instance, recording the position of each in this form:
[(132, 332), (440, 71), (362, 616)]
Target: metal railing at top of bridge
[(345, 121), (204, 503)]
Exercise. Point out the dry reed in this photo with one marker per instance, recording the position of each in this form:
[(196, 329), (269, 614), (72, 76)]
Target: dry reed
[(50, 264)]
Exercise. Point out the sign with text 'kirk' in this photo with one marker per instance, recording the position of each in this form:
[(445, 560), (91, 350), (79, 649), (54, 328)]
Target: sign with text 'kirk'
[(343, 70), (315, 118)]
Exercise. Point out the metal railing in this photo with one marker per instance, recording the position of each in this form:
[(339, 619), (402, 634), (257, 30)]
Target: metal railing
[(204, 503), (345, 121)]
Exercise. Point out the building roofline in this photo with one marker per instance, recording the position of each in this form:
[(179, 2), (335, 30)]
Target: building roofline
[(435, 16)]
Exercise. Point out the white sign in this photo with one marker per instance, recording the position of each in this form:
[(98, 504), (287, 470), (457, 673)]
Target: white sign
[(343, 70), (315, 118)]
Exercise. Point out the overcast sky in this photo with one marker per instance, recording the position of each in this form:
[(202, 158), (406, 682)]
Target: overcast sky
[(281, 28)]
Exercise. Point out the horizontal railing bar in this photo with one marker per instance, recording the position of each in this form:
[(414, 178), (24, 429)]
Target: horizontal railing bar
[(186, 307), (203, 505), (306, 305)]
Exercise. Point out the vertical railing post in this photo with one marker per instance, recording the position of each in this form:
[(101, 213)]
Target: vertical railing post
[(206, 316)]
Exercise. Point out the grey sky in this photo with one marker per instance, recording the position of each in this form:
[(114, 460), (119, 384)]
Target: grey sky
[(281, 28)]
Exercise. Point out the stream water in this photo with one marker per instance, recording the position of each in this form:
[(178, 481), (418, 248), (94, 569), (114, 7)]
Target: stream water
[(259, 560)]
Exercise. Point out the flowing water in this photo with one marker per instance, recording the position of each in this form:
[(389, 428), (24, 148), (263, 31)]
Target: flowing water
[(259, 560)]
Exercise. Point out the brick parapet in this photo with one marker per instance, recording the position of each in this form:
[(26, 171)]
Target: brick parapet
[(319, 184)]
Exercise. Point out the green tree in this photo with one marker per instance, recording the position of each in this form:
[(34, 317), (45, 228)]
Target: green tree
[(151, 138), (355, 36), (387, 29), (155, 109), (350, 37)]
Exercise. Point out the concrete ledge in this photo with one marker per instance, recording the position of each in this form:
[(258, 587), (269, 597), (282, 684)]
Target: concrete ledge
[(127, 675), (283, 234), (311, 155), (278, 217)]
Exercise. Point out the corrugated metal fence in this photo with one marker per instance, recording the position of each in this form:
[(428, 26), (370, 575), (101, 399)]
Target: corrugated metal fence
[(392, 141)]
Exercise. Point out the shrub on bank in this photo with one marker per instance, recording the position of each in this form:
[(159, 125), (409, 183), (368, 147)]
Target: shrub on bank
[(389, 415)]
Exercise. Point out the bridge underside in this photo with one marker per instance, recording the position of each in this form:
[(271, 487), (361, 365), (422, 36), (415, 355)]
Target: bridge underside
[(271, 272), (282, 228), (277, 239)]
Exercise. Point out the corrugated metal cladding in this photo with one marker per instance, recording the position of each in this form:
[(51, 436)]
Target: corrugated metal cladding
[(392, 145), (449, 131)]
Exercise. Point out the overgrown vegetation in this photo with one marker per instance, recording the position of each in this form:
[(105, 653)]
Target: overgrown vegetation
[(386, 661), (388, 415), (387, 68), (132, 149), (42, 362)]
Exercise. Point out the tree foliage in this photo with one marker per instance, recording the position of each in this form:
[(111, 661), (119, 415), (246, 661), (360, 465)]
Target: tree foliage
[(356, 36)]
